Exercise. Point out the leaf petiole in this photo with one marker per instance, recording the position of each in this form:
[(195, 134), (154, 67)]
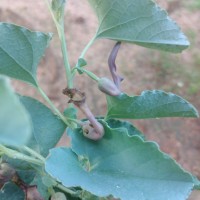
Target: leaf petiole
[(17, 155), (61, 34), (90, 43), (33, 153), (89, 73)]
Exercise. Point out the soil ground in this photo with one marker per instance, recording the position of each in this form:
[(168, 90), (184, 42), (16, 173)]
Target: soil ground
[(142, 68)]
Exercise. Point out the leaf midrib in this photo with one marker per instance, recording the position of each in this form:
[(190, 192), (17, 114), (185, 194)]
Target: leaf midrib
[(17, 62)]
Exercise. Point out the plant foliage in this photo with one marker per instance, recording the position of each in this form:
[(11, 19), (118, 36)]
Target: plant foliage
[(107, 158)]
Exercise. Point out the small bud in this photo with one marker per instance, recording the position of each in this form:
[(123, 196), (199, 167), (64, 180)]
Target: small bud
[(108, 87), (90, 132)]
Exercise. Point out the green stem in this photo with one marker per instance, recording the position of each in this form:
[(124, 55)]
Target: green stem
[(17, 155), (65, 57), (57, 112), (87, 47), (73, 71), (50, 10), (33, 153), (61, 34), (63, 188), (90, 74)]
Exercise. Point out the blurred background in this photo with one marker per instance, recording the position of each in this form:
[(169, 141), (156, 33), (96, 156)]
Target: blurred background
[(143, 69)]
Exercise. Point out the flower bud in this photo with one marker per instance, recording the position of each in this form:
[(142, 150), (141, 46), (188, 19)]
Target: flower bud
[(108, 87)]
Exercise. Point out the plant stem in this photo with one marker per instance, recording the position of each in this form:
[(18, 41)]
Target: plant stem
[(33, 153), (57, 112), (50, 10), (65, 57), (61, 34), (63, 188), (17, 155), (87, 47), (91, 75)]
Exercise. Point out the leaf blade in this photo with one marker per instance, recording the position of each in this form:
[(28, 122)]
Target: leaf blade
[(47, 127), (10, 191), (141, 22), (119, 165), (21, 51), (15, 122), (150, 104)]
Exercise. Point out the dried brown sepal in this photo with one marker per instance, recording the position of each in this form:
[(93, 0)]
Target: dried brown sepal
[(75, 96)]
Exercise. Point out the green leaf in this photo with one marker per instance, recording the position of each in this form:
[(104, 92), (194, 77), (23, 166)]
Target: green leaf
[(141, 22), (42, 188), (150, 104), (196, 183), (26, 175), (125, 166), (47, 127), (11, 192), (21, 51), (113, 123), (15, 122), (70, 113), (81, 63)]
